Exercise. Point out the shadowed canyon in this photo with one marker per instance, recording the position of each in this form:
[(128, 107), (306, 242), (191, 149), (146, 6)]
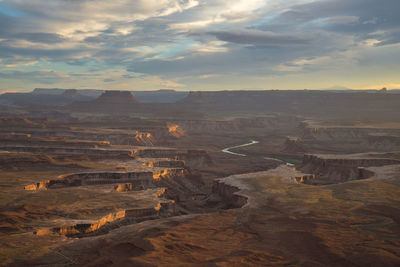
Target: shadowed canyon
[(227, 178)]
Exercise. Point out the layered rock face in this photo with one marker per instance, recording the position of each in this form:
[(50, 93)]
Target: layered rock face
[(192, 158), (93, 152), (28, 141), (122, 131), (382, 142), (360, 139), (344, 133), (145, 139), (134, 180), (341, 168), (170, 173), (238, 124), (139, 180), (116, 97), (175, 130), (165, 163), (112, 220), (304, 102)]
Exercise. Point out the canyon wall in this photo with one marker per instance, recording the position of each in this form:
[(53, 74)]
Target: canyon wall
[(341, 168), (358, 138), (229, 194), (192, 158), (139, 180), (165, 163), (113, 220)]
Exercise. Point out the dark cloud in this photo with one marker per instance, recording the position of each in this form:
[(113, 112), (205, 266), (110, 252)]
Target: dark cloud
[(254, 37), (248, 60), (55, 54), (44, 77), (39, 37), (389, 39), (331, 15)]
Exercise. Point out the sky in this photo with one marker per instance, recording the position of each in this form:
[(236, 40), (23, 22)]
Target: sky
[(199, 44)]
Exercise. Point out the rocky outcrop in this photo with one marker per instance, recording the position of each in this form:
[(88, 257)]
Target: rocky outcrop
[(145, 139), (304, 178), (175, 130), (160, 193), (123, 187), (165, 163), (39, 186), (170, 173)]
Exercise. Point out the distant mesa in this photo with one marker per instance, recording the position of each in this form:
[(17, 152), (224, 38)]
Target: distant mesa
[(72, 93), (116, 97)]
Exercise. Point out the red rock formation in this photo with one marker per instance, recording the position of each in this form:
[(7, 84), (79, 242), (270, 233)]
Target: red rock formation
[(170, 173), (82, 229), (165, 163), (175, 130), (304, 178), (123, 187), (145, 139)]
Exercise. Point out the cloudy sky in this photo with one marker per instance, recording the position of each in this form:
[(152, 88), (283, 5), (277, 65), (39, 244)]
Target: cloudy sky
[(199, 44)]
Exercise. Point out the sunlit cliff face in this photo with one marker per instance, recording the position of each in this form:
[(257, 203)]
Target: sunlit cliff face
[(175, 130), (199, 45)]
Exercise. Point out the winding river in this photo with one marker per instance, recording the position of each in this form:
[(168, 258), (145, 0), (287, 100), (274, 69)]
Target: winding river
[(228, 149), (252, 142)]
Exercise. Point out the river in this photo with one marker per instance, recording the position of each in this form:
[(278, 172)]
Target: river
[(252, 142), (227, 150)]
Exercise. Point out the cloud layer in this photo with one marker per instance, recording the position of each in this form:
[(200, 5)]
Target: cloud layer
[(199, 44)]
